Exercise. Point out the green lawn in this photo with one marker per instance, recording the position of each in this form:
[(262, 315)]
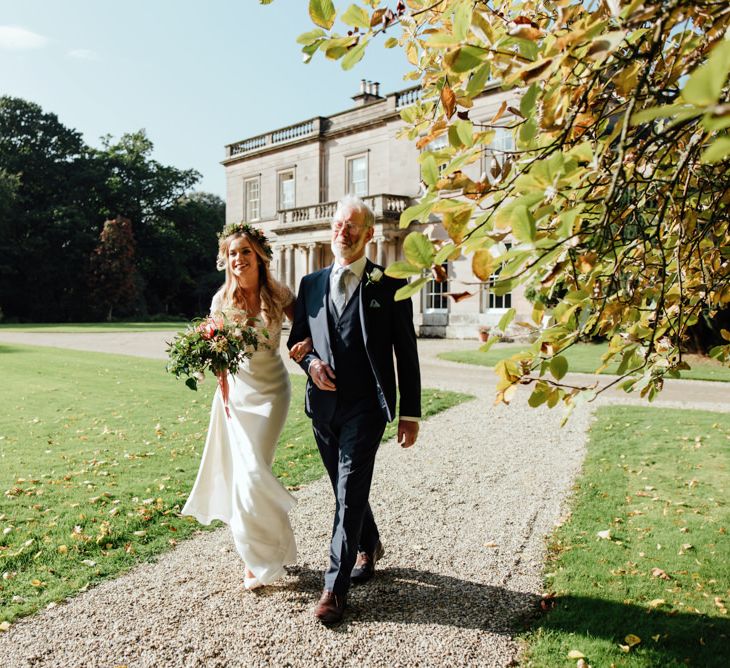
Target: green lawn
[(657, 481), (585, 358), (95, 327), (97, 456)]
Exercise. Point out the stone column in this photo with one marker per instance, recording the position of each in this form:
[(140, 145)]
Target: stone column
[(370, 250), (382, 251), (279, 255), (312, 258), (291, 267)]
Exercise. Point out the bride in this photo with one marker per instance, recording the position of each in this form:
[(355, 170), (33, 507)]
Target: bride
[(235, 483)]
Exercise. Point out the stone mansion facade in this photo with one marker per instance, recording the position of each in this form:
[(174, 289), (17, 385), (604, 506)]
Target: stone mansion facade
[(288, 181)]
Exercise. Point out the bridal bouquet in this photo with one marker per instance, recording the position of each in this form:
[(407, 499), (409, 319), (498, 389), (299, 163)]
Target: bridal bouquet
[(216, 344)]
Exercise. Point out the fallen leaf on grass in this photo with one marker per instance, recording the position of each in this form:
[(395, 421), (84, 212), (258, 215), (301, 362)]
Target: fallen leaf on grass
[(547, 602), (631, 641), (576, 654), (89, 563), (605, 535), (656, 603), (659, 573), (4, 626)]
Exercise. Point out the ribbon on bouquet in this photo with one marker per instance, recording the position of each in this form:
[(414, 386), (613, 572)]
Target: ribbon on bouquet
[(223, 384)]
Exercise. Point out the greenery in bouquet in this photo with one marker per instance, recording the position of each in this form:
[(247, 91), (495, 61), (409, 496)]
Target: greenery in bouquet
[(217, 343)]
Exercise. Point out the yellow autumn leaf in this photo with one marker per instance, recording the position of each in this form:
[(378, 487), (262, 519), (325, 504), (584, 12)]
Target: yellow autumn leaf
[(632, 640)]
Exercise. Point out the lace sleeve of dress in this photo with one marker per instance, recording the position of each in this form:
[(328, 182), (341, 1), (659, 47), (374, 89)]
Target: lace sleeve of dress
[(216, 306)]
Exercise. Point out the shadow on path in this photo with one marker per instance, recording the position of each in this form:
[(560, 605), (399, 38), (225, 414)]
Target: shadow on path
[(413, 596)]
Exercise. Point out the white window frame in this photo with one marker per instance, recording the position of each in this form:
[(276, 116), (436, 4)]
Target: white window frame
[(350, 183), (433, 292), (281, 180), (441, 142), (499, 148), (488, 301), (251, 205)]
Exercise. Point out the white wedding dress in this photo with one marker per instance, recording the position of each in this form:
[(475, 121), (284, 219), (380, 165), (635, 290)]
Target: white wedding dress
[(235, 483)]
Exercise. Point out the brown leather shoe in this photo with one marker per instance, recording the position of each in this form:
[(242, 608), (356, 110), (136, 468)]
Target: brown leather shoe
[(331, 607), (365, 565)]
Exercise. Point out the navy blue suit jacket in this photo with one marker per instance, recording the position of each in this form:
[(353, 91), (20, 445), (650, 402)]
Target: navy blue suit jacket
[(387, 328)]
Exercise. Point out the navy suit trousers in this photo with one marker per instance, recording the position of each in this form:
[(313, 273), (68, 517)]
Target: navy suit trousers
[(348, 444)]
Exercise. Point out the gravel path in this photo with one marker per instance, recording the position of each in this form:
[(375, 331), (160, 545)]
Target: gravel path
[(462, 515)]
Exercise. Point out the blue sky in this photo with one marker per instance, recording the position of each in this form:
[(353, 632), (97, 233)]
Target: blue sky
[(195, 75)]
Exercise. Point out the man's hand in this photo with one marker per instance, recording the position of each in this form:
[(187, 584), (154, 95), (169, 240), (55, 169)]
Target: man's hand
[(407, 433), (322, 375)]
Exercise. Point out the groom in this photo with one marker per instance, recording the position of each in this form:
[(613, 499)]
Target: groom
[(349, 312)]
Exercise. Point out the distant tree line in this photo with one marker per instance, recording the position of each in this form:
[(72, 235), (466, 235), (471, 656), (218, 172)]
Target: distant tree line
[(94, 233)]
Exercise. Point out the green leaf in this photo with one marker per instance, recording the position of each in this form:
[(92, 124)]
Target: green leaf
[(523, 224), (478, 80), (489, 343), (506, 319), (717, 151), (354, 55), (390, 42), (666, 111), (310, 49), (528, 130), (311, 36), (558, 366), (429, 169), (465, 58), (527, 103), (322, 13), (192, 384), (444, 253), (411, 289), (402, 269), (418, 211), (356, 16), (465, 132), (462, 21), (539, 396), (705, 84), (418, 249)]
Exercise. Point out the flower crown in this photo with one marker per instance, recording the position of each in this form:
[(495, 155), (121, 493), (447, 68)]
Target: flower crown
[(251, 231)]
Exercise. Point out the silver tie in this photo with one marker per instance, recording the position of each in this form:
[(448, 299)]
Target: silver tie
[(339, 294)]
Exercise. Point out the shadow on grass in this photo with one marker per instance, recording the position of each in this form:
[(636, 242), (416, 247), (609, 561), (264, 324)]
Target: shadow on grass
[(413, 596), (668, 637)]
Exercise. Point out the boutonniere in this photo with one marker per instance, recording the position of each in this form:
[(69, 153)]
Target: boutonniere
[(374, 276)]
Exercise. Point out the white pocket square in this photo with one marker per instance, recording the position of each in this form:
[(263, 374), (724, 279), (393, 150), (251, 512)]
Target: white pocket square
[(374, 304)]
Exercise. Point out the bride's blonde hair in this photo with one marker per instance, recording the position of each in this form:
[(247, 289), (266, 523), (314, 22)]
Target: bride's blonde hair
[(272, 292)]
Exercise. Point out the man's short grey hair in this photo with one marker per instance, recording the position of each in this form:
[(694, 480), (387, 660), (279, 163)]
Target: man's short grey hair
[(354, 203)]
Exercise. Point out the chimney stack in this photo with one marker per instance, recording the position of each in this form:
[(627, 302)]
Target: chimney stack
[(369, 92)]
